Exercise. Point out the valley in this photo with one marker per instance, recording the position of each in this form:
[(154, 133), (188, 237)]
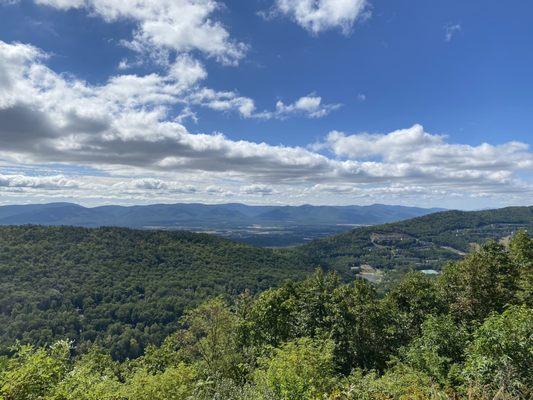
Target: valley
[(119, 286), (264, 226)]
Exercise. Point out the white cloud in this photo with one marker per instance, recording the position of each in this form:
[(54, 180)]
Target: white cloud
[(124, 128), (450, 31), (262, 190), (310, 106), (223, 101), (175, 25), (415, 147), (186, 114), (37, 182), (187, 71), (321, 15), (150, 184), (126, 91)]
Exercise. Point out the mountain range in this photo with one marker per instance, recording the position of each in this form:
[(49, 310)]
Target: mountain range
[(194, 215)]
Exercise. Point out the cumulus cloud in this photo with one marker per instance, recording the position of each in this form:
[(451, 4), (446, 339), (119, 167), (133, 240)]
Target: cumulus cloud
[(320, 15), (150, 184), (186, 114), (415, 147), (125, 127), (223, 101), (47, 117), (310, 105), (37, 182), (175, 25), (187, 71)]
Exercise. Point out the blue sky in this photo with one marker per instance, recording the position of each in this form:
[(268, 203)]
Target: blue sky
[(267, 101)]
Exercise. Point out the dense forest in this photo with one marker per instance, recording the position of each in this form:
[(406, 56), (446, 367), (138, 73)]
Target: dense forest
[(467, 334), (425, 242), (118, 287), (125, 289)]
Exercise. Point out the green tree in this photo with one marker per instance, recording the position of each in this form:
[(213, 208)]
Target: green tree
[(314, 302), (299, 370), (484, 281), (438, 352), (212, 337), (398, 383), (175, 383), (521, 251), (500, 357), (93, 376), (32, 372), (410, 301), (360, 328), (272, 318)]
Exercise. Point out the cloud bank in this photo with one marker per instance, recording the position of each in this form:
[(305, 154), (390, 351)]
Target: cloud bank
[(125, 130)]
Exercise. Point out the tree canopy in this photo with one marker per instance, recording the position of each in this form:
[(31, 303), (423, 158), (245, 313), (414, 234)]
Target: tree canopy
[(320, 338)]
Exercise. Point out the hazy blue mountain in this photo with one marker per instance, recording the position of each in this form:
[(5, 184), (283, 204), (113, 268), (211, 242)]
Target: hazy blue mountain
[(203, 215)]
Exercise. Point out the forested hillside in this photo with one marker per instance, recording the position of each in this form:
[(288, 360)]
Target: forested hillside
[(420, 243), (466, 335), (125, 289), (121, 288)]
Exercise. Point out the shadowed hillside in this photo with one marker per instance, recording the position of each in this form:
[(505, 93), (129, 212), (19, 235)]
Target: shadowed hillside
[(123, 287)]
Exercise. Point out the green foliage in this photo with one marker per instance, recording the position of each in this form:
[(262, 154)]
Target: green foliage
[(212, 337), (413, 298), (272, 317), (175, 383), (501, 354), (119, 288), (400, 383), (299, 370), (438, 351), (466, 335), (320, 307), (521, 252), (364, 330), (32, 373), (94, 376), (483, 282)]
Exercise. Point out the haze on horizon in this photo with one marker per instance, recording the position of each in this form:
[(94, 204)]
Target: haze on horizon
[(266, 102)]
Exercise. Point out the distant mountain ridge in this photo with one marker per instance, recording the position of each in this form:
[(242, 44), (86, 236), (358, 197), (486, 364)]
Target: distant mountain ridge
[(184, 216)]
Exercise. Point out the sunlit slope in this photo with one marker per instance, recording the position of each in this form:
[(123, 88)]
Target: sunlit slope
[(424, 242)]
